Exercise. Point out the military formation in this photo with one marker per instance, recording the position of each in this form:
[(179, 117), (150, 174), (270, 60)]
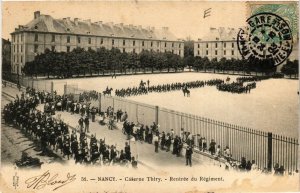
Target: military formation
[(54, 135)]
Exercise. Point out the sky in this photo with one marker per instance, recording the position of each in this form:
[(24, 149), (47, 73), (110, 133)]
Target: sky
[(184, 19)]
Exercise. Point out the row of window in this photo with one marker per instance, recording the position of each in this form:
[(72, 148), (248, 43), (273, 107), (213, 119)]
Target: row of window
[(17, 59), (216, 45), (216, 52), (16, 47), (36, 38), (14, 38), (36, 47)]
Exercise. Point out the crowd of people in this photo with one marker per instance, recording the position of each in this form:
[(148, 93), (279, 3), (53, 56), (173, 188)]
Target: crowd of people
[(55, 135)]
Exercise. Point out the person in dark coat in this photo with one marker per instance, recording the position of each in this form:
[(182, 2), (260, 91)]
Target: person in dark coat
[(127, 151), (188, 156), (86, 123), (80, 122)]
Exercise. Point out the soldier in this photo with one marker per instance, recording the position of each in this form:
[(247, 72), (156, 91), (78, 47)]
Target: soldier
[(66, 146), (168, 142), (133, 163), (93, 112), (94, 152), (74, 147), (59, 143), (52, 139), (188, 156), (44, 141), (163, 141), (73, 136)]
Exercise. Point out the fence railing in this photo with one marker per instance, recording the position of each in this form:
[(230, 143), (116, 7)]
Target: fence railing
[(265, 148)]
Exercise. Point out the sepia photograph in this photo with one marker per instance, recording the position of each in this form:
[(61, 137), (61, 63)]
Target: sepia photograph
[(150, 96)]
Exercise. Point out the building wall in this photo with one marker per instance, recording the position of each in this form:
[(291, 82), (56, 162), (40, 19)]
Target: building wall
[(217, 49), (33, 43)]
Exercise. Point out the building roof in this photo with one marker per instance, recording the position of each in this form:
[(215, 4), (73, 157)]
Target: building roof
[(220, 34), (46, 23)]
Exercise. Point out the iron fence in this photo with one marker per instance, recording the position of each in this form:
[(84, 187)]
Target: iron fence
[(265, 148)]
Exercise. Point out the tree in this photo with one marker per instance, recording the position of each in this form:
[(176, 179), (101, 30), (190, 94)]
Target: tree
[(290, 68)]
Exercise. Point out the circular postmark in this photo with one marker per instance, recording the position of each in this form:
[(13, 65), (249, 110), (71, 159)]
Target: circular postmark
[(266, 37)]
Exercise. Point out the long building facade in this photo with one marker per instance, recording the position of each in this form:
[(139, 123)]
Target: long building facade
[(222, 42), (219, 43), (63, 35)]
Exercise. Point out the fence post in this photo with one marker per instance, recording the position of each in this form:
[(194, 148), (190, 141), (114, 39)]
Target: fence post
[(65, 89), (100, 102), (269, 153), (156, 114), (52, 88)]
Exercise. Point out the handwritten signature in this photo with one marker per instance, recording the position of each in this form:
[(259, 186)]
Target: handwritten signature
[(41, 181)]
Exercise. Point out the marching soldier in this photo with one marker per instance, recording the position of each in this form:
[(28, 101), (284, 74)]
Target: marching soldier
[(188, 156)]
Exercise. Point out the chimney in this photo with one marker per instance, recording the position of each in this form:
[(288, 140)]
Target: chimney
[(88, 21), (76, 21), (37, 14), (68, 18)]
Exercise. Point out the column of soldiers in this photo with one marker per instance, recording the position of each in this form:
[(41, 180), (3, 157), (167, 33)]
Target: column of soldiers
[(54, 135)]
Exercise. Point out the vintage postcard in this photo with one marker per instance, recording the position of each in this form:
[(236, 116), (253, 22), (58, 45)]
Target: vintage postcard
[(150, 96)]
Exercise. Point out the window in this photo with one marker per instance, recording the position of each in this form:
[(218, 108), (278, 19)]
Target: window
[(133, 50), (216, 52), (36, 37), (21, 59), (172, 44), (198, 45), (206, 45), (17, 38), (90, 40), (157, 50), (68, 48), (143, 43), (68, 39), (89, 48), (172, 51), (14, 38), (225, 45), (123, 42), (123, 50), (53, 38), (78, 40), (165, 50), (232, 52), (224, 52), (14, 48), (151, 44), (14, 58), (22, 38), (198, 52), (165, 44), (151, 50), (101, 41), (232, 45), (157, 44), (36, 47), (207, 52), (133, 43), (113, 42), (179, 45), (17, 48), (216, 45), (21, 48), (52, 48), (179, 51)]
